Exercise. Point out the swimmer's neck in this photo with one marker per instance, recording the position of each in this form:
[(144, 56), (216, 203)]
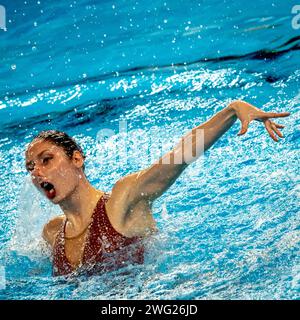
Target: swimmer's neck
[(79, 205)]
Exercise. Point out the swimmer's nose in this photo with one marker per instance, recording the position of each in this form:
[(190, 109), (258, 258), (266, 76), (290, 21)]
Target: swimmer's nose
[(37, 180), (37, 174)]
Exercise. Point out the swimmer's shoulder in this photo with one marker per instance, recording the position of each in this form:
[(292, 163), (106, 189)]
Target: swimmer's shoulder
[(51, 229)]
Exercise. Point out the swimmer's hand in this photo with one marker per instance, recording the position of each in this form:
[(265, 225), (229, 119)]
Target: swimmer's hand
[(246, 113)]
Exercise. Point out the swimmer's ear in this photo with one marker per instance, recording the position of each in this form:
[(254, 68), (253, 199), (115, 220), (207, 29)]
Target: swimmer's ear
[(77, 159)]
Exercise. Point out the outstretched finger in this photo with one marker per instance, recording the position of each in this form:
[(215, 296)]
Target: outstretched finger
[(270, 130), (281, 126), (244, 128), (273, 125), (276, 115)]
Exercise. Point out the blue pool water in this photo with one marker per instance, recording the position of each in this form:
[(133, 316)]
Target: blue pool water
[(229, 226)]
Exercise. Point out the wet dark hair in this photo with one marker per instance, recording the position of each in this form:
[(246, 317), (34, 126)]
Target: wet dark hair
[(63, 140)]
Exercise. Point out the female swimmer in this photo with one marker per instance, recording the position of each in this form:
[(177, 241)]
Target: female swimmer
[(99, 230)]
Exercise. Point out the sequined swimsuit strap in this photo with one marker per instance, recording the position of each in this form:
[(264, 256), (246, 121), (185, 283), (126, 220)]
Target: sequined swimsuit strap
[(61, 265), (94, 245)]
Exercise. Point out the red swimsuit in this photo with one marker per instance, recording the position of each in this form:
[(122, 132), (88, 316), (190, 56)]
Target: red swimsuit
[(105, 248)]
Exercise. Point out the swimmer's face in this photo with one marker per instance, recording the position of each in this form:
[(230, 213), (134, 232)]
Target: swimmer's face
[(52, 171)]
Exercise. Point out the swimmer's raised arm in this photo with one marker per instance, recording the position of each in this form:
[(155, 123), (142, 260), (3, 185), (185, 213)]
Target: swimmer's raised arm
[(152, 182)]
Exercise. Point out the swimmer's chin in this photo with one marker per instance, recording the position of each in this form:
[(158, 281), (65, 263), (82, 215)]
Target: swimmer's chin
[(58, 199), (55, 200)]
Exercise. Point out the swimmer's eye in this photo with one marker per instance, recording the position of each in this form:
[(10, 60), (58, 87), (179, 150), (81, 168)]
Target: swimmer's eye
[(46, 160), (29, 168)]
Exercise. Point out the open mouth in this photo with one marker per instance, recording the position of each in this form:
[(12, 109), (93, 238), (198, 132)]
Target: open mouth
[(48, 189)]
